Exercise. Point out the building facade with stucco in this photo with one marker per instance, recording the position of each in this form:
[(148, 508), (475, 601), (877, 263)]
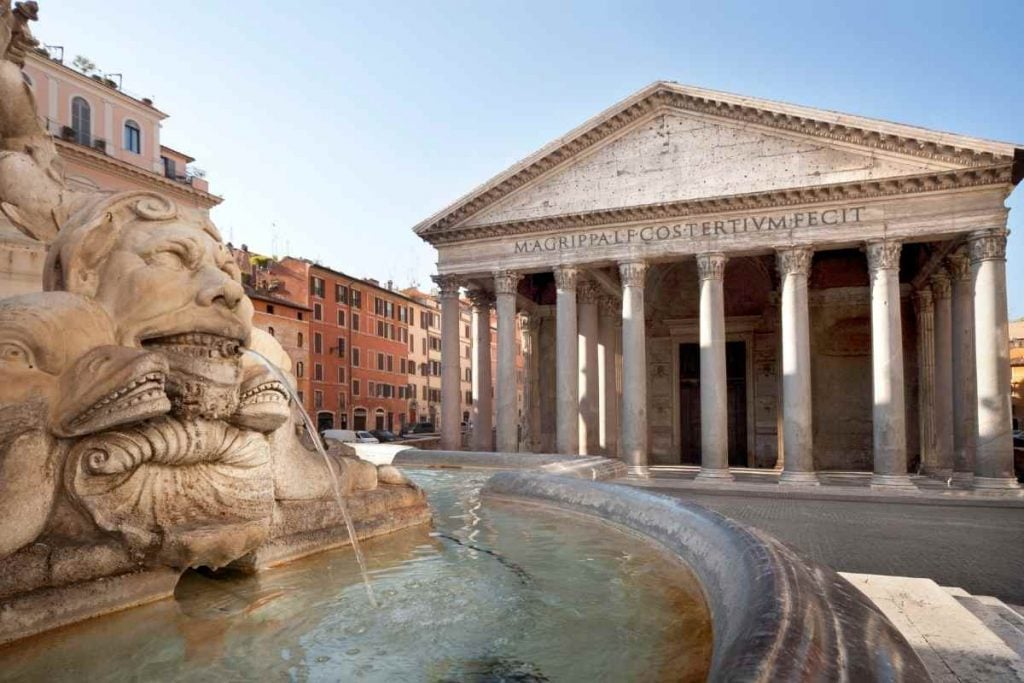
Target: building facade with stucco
[(725, 281)]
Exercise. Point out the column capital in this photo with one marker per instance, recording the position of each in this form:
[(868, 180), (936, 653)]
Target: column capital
[(959, 265), (632, 273), (506, 281), (923, 299), (942, 288), (448, 284), (883, 255), (711, 265), (794, 261), (588, 291), (987, 245), (566, 277), (610, 306), (481, 299)]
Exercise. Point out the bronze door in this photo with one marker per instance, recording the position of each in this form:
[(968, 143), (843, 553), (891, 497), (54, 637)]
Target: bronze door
[(736, 401)]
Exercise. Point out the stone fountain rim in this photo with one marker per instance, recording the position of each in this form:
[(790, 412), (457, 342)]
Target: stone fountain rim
[(774, 614)]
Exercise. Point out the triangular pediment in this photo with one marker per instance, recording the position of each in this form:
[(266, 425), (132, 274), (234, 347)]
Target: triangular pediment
[(677, 156), (670, 144)]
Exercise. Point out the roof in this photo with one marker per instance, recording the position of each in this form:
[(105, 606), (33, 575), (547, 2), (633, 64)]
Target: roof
[(253, 293), (361, 281), (188, 158), (947, 148)]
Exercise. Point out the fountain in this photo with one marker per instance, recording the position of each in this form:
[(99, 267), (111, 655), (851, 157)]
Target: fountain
[(144, 454)]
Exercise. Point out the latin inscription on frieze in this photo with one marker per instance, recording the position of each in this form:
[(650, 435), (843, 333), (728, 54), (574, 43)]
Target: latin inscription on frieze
[(796, 220)]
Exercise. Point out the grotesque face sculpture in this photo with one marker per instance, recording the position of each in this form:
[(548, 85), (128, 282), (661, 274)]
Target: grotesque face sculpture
[(170, 285), (61, 376)]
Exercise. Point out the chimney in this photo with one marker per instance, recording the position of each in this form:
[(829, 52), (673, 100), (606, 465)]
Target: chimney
[(391, 285)]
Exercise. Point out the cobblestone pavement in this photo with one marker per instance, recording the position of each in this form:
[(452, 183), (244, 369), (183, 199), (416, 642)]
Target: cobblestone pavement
[(980, 549)]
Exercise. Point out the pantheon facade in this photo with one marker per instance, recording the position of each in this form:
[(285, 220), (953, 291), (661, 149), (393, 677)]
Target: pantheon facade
[(709, 279)]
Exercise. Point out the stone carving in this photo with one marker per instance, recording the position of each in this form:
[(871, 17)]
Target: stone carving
[(506, 282), (482, 299), (987, 246), (942, 288), (883, 255), (566, 278), (711, 266), (131, 425), (448, 285), (588, 292), (796, 261), (959, 265), (633, 273)]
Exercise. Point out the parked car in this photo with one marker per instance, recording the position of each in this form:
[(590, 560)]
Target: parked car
[(423, 428), (342, 435), (365, 437), (384, 436)]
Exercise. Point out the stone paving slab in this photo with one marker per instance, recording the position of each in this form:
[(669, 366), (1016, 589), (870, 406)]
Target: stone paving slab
[(952, 642)]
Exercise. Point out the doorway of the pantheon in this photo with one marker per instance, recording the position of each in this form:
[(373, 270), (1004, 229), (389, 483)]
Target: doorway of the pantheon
[(736, 400)]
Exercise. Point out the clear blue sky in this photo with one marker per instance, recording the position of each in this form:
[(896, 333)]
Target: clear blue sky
[(346, 123)]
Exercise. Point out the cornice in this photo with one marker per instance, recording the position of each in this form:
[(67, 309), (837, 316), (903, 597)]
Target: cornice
[(999, 174), (667, 97), (70, 150)]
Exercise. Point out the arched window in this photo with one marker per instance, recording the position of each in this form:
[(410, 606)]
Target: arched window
[(81, 120), (132, 137)]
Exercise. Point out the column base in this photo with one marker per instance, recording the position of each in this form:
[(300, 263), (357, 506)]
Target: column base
[(638, 471), (714, 476), (793, 478), (942, 473), (996, 483), (892, 481)]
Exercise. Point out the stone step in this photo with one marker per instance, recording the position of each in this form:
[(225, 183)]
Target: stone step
[(999, 618), (954, 644)]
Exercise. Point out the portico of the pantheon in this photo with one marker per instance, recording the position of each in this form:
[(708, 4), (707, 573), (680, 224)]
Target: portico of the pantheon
[(704, 278)]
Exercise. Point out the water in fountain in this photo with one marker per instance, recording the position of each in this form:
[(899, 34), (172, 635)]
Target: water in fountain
[(314, 436)]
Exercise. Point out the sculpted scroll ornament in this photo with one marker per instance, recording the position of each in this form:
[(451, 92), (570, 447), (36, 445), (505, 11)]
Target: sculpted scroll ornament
[(711, 266), (987, 246), (959, 265), (796, 261), (566, 278), (448, 285), (883, 255)]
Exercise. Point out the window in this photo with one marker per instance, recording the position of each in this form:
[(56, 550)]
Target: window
[(270, 331), (318, 372), (435, 343), (318, 343), (299, 342), (299, 369), (391, 363), (380, 361), (299, 315), (341, 294), (381, 329), (371, 388), (316, 286), (341, 375), (318, 399), (469, 398), (341, 347), (466, 335), (270, 309), (81, 120), (355, 387), (357, 298), (302, 398), (355, 322), (341, 318), (318, 312), (132, 137), (401, 365), (170, 168), (355, 357), (469, 374)]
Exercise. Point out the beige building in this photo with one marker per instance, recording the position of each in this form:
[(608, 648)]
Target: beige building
[(108, 140), (702, 271), (424, 357)]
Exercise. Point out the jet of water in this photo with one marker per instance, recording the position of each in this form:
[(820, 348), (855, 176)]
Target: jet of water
[(318, 444)]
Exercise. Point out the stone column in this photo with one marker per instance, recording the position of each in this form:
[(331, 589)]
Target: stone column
[(530, 326), (889, 416), (633, 443), (547, 371), (608, 325), (993, 465), (567, 407), (714, 415), (797, 433), (483, 410), (943, 462), (451, 423), (505, 286), (587, 295), (965, 385), (925, 309)]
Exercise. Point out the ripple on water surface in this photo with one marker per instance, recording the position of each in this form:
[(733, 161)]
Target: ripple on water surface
[(494, 592)]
